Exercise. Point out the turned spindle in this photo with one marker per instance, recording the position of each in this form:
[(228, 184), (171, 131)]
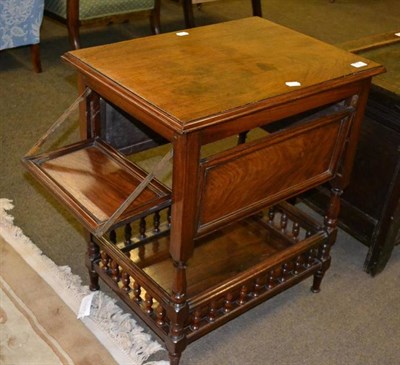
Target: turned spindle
[(114, 270), (228, 305), (196, 320), (271, 279), (298, 264), (125, 278), (105, 260), (212, 313), (244, 290), (169, 216), (271, 215), (296, 231), (156, 222), (137, 290), (142, 228), (148, 303), (258, 286), (284, 222), (127, 233), (113, 236), (284, 272), (160, 313)]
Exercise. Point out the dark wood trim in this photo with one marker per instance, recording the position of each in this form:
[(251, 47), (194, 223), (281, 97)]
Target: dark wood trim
[(370, 42)]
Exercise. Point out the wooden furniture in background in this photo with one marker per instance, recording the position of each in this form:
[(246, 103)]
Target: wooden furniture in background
[(189, 16), (77, 13), (20, 22), (35, 56), (222, 238), (371, 204)]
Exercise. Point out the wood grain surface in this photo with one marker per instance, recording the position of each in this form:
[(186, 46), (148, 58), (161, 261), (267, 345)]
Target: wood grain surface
[(218, 68)]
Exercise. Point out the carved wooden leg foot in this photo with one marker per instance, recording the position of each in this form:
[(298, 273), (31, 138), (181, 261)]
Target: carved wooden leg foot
[(94, 281), (92, 255), (174, 358), (316, 287)]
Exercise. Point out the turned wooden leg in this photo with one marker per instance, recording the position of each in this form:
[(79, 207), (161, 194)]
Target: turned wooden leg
[(317, 281), (176, 341), (93, 254), (330, 222), (94, 281), (318, 276), (174, 358)]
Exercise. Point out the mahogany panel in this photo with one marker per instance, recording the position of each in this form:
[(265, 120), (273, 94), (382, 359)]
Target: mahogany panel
[(239, 181)]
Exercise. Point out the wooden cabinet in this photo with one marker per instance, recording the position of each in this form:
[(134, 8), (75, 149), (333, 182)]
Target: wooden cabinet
[(222, 237), (371, 203)]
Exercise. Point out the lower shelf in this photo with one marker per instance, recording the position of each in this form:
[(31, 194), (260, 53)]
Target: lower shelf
[(231, 270)]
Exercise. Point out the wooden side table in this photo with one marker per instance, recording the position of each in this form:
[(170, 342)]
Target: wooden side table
[(222, 238)]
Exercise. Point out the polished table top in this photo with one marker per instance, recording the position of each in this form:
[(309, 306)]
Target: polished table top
[(205, 75)]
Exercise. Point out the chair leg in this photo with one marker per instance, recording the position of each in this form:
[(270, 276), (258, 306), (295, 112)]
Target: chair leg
[(155, 18), (35, 54), (73, 35), (188, 13), (73, 23), (189, 17), (257, 11)]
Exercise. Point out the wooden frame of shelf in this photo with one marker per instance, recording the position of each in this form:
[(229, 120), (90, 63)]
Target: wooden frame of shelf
[(288, 253)]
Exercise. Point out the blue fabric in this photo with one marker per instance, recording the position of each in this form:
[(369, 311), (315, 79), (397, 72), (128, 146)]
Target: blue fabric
[(20, 22)]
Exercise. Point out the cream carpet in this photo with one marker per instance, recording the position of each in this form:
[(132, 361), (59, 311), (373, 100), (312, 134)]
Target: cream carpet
[(38, 306)]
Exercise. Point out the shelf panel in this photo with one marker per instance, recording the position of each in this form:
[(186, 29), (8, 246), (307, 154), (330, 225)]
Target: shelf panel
[(94, 180), (224, 254), (217, 257), (231, 270)]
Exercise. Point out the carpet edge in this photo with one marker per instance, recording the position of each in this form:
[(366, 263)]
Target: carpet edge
[(117, 331)]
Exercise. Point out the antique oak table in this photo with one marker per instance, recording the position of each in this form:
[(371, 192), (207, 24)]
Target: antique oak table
[(223, 238)]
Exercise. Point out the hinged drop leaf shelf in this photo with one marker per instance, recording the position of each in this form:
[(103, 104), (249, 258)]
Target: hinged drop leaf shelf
[(99, 185)]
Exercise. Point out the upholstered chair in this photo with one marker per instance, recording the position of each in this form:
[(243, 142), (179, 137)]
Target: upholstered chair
[(20, 22), (77, 13), (188, 10)]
